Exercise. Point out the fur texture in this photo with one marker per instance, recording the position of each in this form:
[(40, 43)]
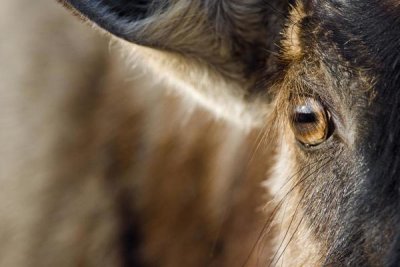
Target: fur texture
[(117, 173)]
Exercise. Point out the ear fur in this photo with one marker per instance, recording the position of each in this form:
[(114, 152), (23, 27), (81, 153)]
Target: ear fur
[(215, 47)]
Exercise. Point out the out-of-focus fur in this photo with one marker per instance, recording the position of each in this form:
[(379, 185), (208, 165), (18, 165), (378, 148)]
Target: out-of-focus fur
[(94, 161)]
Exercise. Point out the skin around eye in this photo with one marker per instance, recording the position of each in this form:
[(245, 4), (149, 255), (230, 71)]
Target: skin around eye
[(309, 121)]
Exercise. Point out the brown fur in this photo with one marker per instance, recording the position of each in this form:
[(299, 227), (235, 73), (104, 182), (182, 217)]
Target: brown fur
[(85, 147), (108, 161)]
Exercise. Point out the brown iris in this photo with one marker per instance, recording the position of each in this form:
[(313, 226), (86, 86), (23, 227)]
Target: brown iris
[(309, 121)]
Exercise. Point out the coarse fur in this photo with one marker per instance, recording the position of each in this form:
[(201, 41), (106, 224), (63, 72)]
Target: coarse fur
[(142, 188)]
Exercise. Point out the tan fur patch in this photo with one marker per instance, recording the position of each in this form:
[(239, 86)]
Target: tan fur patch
[(294, 245), (201, 84), (291, 42)]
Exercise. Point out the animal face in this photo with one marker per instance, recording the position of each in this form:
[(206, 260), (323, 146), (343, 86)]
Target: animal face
[(339, 91), (320, 77)]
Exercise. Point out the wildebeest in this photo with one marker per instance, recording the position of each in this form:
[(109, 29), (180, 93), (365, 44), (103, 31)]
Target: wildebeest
[(312, 84)]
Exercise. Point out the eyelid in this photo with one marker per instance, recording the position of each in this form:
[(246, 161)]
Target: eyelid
[(310, 121), (326, 102), (340, 130)]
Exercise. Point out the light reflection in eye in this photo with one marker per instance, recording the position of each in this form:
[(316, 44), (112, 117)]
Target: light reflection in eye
[(309, 121)]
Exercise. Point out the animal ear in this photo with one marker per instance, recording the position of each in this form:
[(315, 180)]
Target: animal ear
[(215, 49)]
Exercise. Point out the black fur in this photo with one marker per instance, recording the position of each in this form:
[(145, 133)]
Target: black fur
[(350, 38), (114, 16)]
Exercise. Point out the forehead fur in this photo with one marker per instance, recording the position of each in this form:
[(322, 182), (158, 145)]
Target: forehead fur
[(368, 22), (372, 25), (291, 43)]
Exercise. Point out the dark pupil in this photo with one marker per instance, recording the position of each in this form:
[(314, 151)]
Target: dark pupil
[(305, 118), (305, 114)]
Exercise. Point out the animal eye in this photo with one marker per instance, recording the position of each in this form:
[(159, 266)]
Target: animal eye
[(310, 121)]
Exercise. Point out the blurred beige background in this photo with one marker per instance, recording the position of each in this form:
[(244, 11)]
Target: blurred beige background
[(49, 64), (72, 114)]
